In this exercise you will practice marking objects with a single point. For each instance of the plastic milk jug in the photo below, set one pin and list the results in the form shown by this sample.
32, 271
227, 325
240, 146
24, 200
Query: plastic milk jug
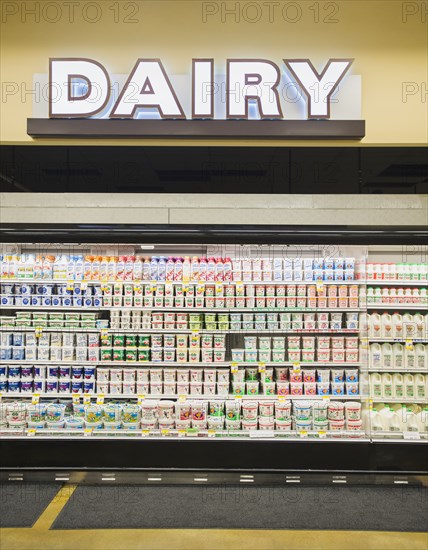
375, 356
398, 354
397, 385
420, 386
409, 326
376, 326
375, 385
376, 421
409, 386
397, 326
419, 320
410, 357
421, 356
387, 357
386, 325
387, 389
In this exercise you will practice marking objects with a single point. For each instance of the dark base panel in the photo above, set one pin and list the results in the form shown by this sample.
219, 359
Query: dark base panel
215, 455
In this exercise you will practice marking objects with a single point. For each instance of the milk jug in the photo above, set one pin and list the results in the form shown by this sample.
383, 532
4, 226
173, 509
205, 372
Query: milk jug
376, 421
397, 326
387, 389
409, 357
375, 356
421, 360
420, 386
375, 385
395, 424
409, 386
423, 420
386, 329
409, 326
365, 329
387, 357
375, 326
420, 326
386, 415
397, 385
398, 355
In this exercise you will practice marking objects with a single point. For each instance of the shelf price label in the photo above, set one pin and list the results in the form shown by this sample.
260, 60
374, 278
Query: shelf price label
411, 435
296, 366
322, 434
76, 399
219, 288
86, 399
137, 287
326, 398
303, 434
100, 399
87, 432
31, 432
364, 343
1, 397
141, 398
38, 332
181, 433
281, 398
70, 285
164, 432
262, 367
104, 333
320, 286
233, 368
211, 433
409, 344
182, 398
238, 398
145, 433
35, 398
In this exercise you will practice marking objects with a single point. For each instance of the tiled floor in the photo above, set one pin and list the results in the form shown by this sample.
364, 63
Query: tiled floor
40, 537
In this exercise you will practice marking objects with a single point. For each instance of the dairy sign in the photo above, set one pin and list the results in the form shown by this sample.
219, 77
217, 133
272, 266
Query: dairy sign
253, 90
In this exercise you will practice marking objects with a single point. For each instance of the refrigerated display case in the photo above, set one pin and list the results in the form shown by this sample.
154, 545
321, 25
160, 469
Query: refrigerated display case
218, 356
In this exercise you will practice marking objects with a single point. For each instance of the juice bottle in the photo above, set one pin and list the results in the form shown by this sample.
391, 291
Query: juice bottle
104, 268
169, 273
194, 269
138, 268
146, 269
203, 266
111, 268
95, 276
120, 269
162, 268
219, 270
227, 266
178, 269
129, 268
87, 268
78, 269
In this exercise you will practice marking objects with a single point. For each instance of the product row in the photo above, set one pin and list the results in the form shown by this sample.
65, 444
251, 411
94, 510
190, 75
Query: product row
71, 320
398, 356
396, 271
397, 296
398, 386
398, 417
217, 415
161, 268
396, 326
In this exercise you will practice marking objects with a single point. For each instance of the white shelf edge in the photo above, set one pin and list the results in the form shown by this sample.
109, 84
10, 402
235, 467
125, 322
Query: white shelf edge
185, 283
190, 397
171, 364
90, 309
404, 371
397, 306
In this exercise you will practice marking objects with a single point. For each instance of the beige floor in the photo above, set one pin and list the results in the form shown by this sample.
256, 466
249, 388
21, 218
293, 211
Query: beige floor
40, 538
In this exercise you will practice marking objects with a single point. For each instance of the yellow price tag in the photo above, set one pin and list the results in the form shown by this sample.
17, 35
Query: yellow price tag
234, 368
145, 433
195, 331
165, 432
86, 399
70, 285
31, 432
38, 332
262, 367
182, 398
181, 433
238, 397
409, 344
137, 288
219, 288
87, 431
322, 434
281, 398
320, 286
35, 398
303, 433
76, 399
1, 396
326, 398
211, 433
141, 399
104, 333
296, 366
100, 399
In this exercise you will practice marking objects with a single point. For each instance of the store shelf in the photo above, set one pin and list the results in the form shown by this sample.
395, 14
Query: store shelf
170, 364
183, 331
402, 400
395, 370
88, 309
397, 306
189, 397
185, 283
377, 282
398, 340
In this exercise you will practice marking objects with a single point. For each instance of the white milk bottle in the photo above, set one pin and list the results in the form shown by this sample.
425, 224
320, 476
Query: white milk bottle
267, 270
397, 326
421, 356
412, 423
422, 417
409, 326
370, 296
120, 268
395, 424
370, 272
419, 321
398, 354
409, 386
375, 385
392, 272
420, 386
386, 322
376, 325
365, 329
375, 356
423, 272
409, 357
387, 356
386, 415
147, 269
376, 421
398, 385
387, 389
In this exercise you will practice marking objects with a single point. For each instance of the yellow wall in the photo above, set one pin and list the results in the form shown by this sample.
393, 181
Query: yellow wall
388, 42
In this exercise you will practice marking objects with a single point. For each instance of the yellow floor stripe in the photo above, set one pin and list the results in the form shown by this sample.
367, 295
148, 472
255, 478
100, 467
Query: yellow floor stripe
54, 508
187, 539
